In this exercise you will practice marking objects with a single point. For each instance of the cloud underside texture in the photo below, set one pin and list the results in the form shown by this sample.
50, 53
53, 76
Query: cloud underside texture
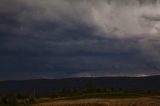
78, 38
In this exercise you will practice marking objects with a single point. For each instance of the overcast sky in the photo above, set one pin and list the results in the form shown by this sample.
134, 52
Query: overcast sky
79, 38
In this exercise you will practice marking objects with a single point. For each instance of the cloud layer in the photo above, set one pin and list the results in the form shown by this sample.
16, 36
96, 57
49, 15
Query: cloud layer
67, 38
115, 18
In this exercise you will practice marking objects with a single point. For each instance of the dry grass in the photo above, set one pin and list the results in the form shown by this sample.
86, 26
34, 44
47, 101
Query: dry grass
104, 102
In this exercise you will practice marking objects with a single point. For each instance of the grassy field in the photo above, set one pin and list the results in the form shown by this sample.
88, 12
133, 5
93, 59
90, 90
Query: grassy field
143, 101
116, 98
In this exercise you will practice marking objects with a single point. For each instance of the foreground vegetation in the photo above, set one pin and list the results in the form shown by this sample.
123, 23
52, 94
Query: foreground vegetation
72, 95
23, 100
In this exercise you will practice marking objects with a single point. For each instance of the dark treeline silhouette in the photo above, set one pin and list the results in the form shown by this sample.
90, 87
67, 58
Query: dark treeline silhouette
26, 92
50, 86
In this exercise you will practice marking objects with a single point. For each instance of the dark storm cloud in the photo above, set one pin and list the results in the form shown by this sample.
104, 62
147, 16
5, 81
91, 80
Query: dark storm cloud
67, 38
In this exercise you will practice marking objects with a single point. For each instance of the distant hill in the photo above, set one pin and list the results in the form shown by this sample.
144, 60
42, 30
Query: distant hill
47, 86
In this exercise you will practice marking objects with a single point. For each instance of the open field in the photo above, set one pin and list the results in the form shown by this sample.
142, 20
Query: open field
144, 101
94, 98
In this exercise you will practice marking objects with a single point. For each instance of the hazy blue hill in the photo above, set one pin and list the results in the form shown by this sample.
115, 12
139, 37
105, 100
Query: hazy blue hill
47, 86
